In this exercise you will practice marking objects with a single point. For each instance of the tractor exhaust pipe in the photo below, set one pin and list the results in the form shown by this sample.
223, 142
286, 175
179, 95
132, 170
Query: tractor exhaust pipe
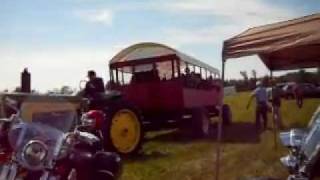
25, 81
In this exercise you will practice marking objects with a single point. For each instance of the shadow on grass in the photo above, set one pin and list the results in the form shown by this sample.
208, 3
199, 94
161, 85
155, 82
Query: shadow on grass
236, 133
242, 132
147, 156
259, 178
175, 136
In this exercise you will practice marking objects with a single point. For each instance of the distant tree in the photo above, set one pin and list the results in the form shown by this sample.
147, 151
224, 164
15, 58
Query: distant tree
244, 74
66, 90
33, 91
54, 91
302, 76
254, 74
17, 89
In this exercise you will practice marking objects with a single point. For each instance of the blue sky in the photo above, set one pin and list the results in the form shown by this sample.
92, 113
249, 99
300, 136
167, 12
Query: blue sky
60, 40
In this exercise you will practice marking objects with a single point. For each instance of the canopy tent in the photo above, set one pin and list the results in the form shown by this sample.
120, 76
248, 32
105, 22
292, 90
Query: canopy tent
146, 52
281, 46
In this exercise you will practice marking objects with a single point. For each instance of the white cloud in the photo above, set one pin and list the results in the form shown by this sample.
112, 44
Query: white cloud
229, 17
101, 16
249, 11
210, 34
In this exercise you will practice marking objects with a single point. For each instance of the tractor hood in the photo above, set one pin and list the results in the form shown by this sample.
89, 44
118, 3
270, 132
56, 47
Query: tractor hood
111, 94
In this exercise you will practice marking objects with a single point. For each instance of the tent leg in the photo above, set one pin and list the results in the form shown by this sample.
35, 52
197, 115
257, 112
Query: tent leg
220, 128
275, 126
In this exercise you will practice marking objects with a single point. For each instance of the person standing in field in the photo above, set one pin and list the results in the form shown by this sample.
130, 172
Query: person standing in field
275, 98
298, 93
261, 95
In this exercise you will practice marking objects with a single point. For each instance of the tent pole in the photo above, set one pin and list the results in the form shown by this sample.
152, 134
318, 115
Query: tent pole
219, 133
275, 127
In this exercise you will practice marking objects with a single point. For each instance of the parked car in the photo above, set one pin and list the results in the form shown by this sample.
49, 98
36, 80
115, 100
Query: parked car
288, 90
281, 85
310, 90
303, 161
307, 89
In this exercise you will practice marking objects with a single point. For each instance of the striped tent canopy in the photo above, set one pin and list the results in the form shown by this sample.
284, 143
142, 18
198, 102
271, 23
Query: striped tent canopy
285, 45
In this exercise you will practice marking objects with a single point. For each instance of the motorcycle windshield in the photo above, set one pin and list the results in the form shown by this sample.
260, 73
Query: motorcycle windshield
49, 128
311, 141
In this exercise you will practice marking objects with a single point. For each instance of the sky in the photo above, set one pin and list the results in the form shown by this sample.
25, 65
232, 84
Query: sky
60, 40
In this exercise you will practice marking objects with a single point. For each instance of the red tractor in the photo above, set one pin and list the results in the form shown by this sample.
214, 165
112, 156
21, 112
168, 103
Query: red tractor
153, 86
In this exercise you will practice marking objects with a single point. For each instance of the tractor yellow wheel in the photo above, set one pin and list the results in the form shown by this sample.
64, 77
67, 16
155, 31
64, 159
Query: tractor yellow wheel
125, 131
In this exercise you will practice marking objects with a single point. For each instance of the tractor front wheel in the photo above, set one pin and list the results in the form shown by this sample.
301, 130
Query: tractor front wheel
123, 130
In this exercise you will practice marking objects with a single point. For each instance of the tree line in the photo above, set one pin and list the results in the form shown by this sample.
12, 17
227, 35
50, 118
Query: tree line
249, 82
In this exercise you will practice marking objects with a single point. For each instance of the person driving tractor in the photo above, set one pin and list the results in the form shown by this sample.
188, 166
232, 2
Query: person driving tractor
94, 87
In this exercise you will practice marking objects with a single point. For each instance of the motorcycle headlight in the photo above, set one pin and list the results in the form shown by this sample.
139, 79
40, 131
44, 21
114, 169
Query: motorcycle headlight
93, 119
88, 122
291, 162
34, 154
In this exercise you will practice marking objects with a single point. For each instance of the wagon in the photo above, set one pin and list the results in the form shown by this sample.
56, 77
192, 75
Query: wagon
160, 87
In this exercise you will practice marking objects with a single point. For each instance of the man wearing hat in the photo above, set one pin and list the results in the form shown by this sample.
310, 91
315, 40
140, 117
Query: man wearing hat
261, 95
93, 90
94, 86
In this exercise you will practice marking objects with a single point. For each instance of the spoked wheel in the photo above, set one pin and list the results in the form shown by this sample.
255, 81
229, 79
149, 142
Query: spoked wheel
204, 125
124, 131
226, 115
199, 125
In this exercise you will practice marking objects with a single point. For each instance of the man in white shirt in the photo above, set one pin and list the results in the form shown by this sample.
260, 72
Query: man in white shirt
261, 95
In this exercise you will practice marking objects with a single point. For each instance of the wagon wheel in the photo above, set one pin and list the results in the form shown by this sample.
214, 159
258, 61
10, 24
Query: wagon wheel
123, 130
200, 123
226, 115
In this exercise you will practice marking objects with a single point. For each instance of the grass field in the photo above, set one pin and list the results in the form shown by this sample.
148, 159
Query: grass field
169, 155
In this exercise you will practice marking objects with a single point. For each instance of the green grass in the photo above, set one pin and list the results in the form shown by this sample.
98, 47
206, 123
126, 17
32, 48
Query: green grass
169, 155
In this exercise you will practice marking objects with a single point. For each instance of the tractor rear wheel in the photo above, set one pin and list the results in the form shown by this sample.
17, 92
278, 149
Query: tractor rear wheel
123, 131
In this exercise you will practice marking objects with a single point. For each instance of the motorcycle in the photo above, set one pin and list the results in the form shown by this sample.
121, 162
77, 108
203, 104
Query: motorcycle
303, 160
47, 149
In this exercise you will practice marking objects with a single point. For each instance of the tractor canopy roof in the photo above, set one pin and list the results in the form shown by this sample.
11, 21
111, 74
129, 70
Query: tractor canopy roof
281, 46
147, 53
